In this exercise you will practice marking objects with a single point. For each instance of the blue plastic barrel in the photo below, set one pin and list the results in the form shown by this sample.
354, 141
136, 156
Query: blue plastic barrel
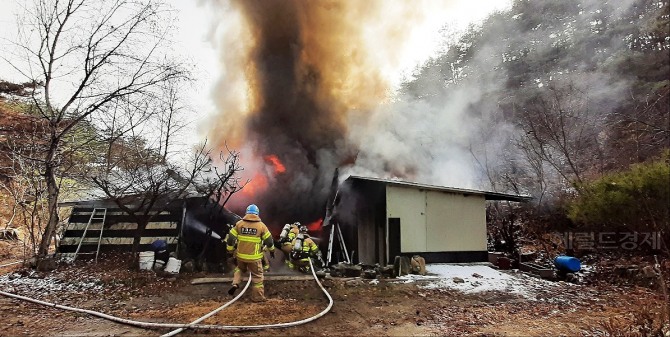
567, 263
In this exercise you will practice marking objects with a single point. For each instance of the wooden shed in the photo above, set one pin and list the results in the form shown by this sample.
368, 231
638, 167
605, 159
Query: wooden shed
381, 219
191, 226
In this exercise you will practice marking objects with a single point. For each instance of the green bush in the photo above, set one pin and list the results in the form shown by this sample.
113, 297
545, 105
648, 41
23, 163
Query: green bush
637, 199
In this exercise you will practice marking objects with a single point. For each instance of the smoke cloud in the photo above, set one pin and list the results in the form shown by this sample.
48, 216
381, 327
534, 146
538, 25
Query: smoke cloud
300, 80
309, 86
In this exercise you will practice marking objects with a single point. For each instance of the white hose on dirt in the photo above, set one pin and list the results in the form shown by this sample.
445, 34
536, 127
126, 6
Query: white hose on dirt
174, 332
114, 318
150, 325
276, 325
10, 264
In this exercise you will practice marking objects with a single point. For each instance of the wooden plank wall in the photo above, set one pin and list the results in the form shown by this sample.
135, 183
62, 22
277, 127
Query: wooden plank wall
119, 231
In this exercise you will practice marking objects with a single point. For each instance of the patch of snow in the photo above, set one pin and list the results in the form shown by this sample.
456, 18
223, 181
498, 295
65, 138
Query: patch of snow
587, 268
441, 276
47, 284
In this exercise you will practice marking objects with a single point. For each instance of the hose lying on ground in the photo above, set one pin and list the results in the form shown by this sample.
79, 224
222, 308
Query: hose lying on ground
10, 264
114, 318
174, 332
151, 325
276, 325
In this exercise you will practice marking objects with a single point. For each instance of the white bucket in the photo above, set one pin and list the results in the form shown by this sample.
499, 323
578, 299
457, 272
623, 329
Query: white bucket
158, 265
146, 260
173, 266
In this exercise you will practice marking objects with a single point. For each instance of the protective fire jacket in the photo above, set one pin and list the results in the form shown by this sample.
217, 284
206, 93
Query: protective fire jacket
309, 249
250, 234
291, 235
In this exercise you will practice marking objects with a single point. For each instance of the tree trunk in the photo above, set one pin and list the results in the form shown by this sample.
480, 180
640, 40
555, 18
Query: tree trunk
141, 225
11, 219
53, 191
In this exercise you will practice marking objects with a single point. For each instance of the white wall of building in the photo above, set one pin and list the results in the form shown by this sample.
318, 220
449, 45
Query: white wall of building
436, 221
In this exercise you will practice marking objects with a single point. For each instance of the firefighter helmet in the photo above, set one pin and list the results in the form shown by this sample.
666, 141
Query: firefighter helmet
302, 228
253, 209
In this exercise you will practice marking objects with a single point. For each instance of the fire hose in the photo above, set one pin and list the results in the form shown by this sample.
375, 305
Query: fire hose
10, 264
110, 317
195, 324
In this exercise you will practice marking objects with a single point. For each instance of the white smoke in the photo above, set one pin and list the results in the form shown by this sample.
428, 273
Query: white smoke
455, 133
418, 140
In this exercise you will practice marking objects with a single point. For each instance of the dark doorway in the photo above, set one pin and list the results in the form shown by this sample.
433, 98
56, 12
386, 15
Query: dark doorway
394, 239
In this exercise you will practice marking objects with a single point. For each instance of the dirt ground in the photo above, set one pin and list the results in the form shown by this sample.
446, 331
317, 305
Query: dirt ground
360, 307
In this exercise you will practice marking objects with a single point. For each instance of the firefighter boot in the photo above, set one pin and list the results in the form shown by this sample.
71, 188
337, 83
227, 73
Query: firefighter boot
258, 293
290, 264
233, 289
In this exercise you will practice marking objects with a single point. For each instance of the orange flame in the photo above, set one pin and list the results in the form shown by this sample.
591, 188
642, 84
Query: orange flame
248, 194
276, 163
256, 185
315, 226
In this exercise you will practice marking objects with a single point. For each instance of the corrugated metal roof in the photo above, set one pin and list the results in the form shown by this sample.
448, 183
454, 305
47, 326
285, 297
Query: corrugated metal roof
488, 195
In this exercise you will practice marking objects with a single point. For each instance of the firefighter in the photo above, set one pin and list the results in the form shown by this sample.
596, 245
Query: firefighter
286, 238
247, 239
303, 249
231, 252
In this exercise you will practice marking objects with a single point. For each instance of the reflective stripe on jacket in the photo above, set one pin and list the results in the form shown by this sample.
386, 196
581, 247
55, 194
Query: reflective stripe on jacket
250, 234
309, 249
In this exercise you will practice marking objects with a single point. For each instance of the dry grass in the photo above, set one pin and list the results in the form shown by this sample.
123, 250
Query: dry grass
644, 319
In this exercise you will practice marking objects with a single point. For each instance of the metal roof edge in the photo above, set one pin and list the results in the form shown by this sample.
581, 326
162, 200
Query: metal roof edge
110, 202
487, 194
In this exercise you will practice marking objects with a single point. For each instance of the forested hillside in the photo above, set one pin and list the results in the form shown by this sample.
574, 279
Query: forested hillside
566, 101
563, 93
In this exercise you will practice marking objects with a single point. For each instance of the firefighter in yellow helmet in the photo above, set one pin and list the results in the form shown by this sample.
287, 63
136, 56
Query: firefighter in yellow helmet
303, 249
249, 236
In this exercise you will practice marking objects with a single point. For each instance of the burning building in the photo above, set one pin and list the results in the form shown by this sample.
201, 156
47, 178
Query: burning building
296, 75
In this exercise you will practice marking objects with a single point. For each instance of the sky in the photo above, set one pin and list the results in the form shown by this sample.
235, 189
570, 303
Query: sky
195, 29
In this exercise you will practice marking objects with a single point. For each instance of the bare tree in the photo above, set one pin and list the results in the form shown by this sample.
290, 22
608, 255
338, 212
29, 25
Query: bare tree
24, 185
560, 129
536, 166
642, 130
141, 184
222, 181
86, 56
143, 170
